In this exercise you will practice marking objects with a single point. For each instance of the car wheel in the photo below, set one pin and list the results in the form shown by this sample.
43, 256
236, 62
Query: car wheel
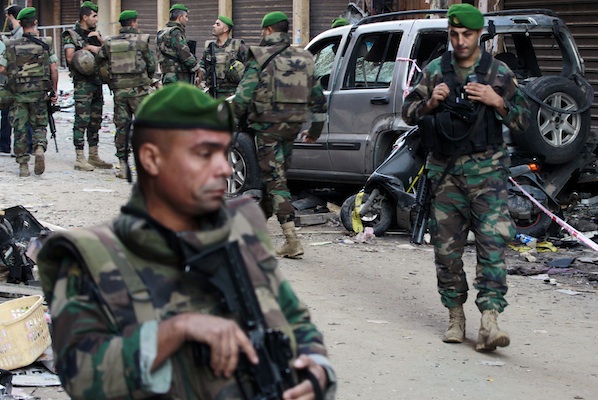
557, 136
380, 216
243, 160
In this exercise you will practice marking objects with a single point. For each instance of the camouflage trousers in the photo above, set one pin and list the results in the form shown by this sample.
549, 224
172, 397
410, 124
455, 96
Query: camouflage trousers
124, 109
172, 77
476, 202
32, 109
88, 114
274, 157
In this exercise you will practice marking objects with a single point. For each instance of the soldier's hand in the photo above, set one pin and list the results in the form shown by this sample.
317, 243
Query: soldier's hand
439, 94
305, 138
304, 390
484, 94
54, 99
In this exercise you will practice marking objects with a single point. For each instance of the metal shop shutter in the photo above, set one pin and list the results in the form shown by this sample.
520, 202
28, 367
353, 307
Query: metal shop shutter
248, 15
202, 15
581, 17
69, 11
321, 14
148, 16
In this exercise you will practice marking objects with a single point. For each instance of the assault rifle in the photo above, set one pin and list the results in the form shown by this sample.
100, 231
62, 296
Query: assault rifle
52, 108
214, 87
223, 267
422, 209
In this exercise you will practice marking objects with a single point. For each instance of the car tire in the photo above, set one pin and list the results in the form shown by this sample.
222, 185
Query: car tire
556, 136
380, 221
244, 163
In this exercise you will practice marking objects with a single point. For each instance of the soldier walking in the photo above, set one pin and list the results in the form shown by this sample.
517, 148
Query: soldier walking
176, 59
126, 64
277, 117
80, 46
223, 57
30, 64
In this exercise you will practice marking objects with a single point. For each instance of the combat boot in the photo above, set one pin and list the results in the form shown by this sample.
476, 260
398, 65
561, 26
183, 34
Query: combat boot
40, 163
292, 247
95, 160
81, 163
122, 173
24, 170
455, 332
490, 335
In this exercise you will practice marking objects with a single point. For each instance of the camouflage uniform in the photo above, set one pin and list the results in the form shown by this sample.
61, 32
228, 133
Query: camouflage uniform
87, 278
88, 94
30, 90
127, 65
177, 63
230, 65
472, 195
277, 116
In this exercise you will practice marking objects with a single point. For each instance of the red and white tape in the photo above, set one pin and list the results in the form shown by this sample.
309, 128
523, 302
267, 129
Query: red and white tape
574, 232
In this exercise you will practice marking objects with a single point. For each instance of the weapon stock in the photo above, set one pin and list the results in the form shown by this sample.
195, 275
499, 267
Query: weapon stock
52, 108
422, 206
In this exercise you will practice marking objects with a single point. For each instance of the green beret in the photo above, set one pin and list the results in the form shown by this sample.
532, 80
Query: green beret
226, 20
181, 105
26, 13
90, 5
465, 16
127, 14
339, 21
273, 17
178, 7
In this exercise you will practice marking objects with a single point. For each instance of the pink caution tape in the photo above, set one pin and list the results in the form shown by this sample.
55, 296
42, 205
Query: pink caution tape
574, 232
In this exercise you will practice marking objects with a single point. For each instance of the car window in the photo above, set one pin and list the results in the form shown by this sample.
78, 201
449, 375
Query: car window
372, 62
428, 46
324, 54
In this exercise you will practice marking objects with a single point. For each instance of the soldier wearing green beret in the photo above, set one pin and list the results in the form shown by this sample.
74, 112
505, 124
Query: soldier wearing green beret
81, 44
138, 286
225, 58
176, 58
30, 65
339, 21
127, 64
468, 169
276, 115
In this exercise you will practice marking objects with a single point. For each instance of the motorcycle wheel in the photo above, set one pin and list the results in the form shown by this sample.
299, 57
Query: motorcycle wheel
538, 222
380, 219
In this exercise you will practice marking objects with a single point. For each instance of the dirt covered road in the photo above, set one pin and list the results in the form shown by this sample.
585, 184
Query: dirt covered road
375, 302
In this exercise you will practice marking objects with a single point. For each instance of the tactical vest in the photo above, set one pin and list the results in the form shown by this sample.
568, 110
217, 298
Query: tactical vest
126, 66
167, 56
458, 126
225, 57
80, 42
283, 91
28, 64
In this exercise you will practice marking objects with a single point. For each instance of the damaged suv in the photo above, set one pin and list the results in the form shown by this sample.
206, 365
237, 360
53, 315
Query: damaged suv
366, 70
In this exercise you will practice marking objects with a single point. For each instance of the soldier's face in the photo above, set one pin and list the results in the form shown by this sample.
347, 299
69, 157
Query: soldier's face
183, 19
219, 28
91, 20
465, 43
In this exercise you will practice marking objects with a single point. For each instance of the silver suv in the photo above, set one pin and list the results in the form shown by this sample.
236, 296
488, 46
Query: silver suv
367, 68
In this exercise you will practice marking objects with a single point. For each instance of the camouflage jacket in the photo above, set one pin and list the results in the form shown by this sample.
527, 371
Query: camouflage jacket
505, 83
105, 328
127, 63
275, 98
230, 60
173, 53
77, 38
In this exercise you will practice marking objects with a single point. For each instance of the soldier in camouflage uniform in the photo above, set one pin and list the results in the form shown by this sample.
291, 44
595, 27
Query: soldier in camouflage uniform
177, 62
230, 56
30, 64
88, 87
127, 65
126, 312
469, 172
277, 116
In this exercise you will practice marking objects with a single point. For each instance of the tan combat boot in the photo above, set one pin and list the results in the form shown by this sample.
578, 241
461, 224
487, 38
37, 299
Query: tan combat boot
122, 173
81, 163
292, 247
24, 170
456, 329
40, 163
490, 335
95, 160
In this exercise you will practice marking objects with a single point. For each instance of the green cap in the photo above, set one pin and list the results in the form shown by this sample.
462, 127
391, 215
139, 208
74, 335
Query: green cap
226, 20
339, 21
90, 5
273, 17
26, 13
179, 7
181, 105
465, 16
127, 14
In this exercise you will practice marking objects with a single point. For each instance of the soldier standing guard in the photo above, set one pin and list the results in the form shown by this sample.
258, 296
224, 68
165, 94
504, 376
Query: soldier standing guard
176, 59
80, 45
30, 64
127, 64
230, 56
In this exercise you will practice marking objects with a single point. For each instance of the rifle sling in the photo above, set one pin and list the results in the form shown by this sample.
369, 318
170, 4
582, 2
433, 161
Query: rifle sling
35, 40
264, 65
